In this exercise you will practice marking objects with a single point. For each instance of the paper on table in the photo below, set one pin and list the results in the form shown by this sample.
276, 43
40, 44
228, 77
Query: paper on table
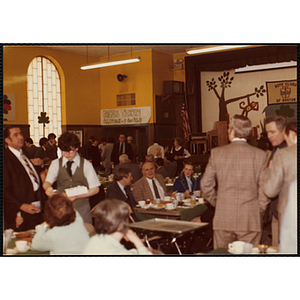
78, 190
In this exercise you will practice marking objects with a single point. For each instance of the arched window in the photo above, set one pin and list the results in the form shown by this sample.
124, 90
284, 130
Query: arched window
44, 96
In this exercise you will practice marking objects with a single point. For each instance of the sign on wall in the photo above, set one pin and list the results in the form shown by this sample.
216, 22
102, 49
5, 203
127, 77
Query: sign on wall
78, 133
281, 92
124, 116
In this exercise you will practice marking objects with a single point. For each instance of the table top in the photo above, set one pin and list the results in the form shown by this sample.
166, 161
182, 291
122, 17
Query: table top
170, 226
185, 214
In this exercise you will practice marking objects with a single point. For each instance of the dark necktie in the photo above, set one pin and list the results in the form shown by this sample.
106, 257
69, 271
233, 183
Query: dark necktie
29, 168
69, 164
122, 148
155, 190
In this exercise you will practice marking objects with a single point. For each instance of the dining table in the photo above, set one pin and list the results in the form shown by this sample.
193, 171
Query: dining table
179, 213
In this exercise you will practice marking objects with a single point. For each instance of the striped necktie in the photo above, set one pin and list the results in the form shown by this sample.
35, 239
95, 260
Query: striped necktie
31, 172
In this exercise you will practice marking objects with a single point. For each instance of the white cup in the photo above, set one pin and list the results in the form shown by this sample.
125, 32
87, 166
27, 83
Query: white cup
142, 203
21, 246
170, 206
8, 234
248, 248
237, 247
197, 193
167, 198
193, 198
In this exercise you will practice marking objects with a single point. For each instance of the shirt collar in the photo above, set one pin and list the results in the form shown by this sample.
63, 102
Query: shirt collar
15, 151
76, 160
239, 140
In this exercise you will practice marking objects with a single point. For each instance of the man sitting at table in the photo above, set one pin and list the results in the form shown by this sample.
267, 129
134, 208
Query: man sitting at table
233, 183
186, 183
150, 186
133, 167
160, 168
120, 188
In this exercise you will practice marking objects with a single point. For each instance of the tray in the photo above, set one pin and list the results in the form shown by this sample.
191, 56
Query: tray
171, 226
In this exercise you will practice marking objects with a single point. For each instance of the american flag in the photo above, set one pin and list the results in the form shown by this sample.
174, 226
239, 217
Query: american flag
185, 121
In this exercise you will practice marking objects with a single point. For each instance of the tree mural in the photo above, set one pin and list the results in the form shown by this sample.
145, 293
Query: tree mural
226, 83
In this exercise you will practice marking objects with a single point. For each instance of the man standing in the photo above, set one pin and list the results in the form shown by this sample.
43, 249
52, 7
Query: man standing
120, 188
233, 183
134, 168
150, 186
274, 126
22, 190
42, 150
72, 170
107, 154
30, 148
122, 147
186, 183
170, 164
156, 150
51, 147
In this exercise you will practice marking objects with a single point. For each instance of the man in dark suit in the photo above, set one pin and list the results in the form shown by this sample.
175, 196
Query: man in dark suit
22, 189
134, 168
120, 188
42, 150
160, 168
170, 164
51, 147
30, 148
122, 147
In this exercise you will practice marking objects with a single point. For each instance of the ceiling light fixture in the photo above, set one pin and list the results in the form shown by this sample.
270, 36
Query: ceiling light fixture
266, 67
111, 63
216, 48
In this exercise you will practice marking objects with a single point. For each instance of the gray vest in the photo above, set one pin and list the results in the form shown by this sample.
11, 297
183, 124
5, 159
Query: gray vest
64, 181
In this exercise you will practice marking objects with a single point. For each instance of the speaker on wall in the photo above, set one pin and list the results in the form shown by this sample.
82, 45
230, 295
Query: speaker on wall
165, 110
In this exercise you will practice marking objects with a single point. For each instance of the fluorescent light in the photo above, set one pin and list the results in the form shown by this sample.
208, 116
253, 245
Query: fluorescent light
215, 49
111, 63
266, 67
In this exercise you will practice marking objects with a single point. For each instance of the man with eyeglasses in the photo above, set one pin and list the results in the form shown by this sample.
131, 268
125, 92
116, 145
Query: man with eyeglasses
70, 171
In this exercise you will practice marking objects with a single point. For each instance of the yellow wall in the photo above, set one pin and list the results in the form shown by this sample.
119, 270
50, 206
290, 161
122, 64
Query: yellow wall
85, 93
80, 90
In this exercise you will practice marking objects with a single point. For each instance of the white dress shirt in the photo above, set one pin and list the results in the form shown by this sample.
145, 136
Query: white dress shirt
159, 188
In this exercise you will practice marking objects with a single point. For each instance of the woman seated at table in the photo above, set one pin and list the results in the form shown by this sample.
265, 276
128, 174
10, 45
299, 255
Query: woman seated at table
186, 183
111, 225
63, 231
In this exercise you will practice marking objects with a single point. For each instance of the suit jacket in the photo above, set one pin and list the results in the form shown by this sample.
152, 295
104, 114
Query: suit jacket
142, 190
94, 155
282, 173
113, 191
18, 189
115, 152
31, 151
162, 171
134, 168
233, 183
171, 167
41, 153
181, 185
107, 154
51, 151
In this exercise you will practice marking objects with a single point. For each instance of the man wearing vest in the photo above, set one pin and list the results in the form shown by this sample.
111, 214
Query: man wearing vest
72, 170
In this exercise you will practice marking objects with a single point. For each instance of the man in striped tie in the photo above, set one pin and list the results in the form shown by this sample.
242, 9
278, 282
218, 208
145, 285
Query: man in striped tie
23, 192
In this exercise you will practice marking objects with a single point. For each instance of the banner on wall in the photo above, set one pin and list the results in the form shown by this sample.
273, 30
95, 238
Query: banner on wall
125, 116
281, 92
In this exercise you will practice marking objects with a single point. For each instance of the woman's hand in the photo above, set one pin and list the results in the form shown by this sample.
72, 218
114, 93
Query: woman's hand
132, 237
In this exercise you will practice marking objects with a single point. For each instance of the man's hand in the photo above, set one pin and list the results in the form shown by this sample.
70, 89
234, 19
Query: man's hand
30, 208
50, 191
187, 194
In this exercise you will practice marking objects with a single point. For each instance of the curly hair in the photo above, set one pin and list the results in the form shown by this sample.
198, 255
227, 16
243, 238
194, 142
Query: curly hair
111, 216
68, 140
59, 211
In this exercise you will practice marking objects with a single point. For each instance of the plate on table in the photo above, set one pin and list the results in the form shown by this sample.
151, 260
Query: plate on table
22, 235
166, 208
155, 206
10, 251
189, 204
233, 252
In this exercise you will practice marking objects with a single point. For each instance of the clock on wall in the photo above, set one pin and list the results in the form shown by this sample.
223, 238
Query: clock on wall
173, 87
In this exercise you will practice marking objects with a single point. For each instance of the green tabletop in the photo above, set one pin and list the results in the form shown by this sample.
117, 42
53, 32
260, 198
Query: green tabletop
186, 214
12, 245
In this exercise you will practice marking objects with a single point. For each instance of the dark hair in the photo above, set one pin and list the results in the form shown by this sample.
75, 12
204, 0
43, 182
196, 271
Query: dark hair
103, 139
291, 126
51, 136
169, 156
179, 141
111, 139
121, 172
43, 141
111, 216
6, 132
59, 211
279, 120
242, 127
160, 161
68, 140
29, 140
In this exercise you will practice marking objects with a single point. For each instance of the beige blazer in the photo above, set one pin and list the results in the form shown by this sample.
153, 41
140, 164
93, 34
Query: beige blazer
232, 182
142, 190
282, 173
